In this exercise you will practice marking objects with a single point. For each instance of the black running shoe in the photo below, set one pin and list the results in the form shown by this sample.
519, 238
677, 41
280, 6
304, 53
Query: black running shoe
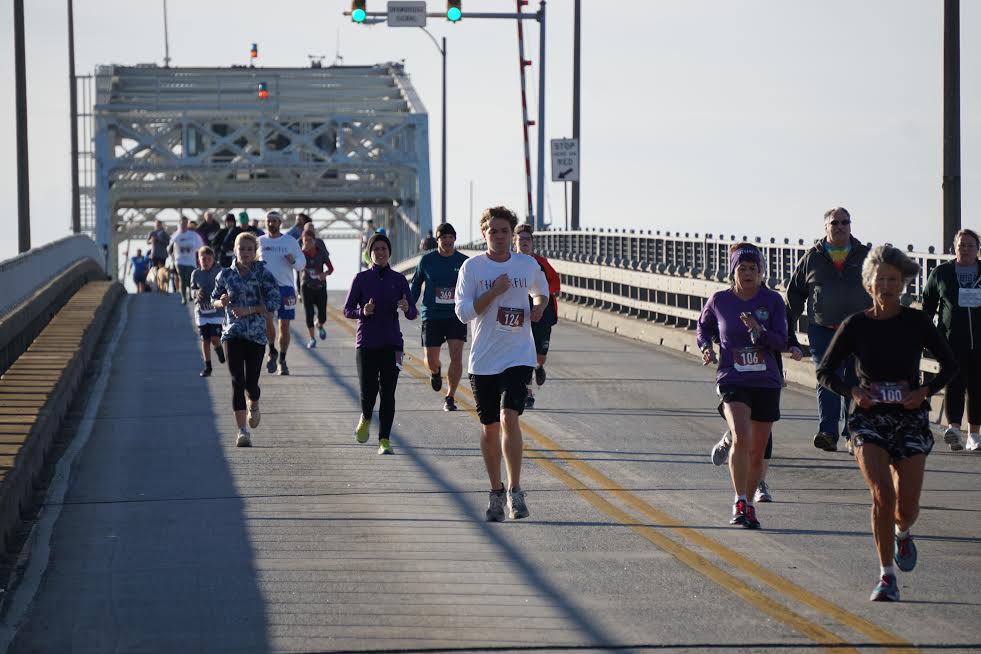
750, 521
436, 380
826, 442
738, 513
220, 353
540, 375
530, 402
271, 365
206, 372
449, 404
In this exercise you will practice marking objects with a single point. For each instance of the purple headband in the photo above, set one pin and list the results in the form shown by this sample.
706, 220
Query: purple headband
745, 254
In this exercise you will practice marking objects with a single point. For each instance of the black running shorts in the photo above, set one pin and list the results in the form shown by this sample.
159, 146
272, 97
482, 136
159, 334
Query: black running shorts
437, 332
901, 433
507, 389
207, 331
763, 403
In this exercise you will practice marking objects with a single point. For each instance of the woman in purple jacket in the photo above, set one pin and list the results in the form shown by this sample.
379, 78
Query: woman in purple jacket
375, 298
749, 322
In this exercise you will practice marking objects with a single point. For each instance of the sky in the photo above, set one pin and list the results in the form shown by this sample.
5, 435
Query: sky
749, 117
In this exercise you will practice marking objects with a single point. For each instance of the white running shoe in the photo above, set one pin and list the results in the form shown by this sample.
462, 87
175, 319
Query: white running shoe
974, 443
720, 452
243, 439
254, 416
952, 436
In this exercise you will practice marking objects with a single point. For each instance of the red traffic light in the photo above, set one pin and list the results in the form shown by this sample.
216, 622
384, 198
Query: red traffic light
263, 91
254, 52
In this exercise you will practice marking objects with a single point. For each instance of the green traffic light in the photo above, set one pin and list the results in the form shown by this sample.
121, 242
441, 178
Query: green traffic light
453, 14
358, 15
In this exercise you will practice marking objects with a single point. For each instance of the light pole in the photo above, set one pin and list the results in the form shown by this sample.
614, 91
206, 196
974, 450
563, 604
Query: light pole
73, 109
442, 51
20, 91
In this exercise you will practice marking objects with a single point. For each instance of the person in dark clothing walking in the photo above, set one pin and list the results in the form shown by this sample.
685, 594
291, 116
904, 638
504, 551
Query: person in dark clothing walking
828, 280
954, 289
375, 298
218, 242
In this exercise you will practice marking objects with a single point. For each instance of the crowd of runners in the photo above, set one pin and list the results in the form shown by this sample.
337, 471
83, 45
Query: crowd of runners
865, 344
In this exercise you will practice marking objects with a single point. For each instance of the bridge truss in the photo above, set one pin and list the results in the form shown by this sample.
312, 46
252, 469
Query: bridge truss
343, 144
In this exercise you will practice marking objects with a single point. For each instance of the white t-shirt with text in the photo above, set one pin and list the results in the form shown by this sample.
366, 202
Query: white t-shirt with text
502, 333
274, 250
186, 246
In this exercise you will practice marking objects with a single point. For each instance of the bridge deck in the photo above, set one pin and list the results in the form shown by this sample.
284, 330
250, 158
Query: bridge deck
171, 539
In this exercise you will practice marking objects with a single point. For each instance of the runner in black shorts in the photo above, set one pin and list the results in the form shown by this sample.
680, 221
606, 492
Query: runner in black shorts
438, 272
541, 330
492, 293
750, 323
891, 405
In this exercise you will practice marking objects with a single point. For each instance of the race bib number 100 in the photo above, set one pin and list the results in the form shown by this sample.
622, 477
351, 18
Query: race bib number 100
445, 295
749, 359
889, 392
510, 319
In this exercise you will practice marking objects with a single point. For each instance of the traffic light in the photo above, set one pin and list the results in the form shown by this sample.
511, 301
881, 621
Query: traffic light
358, 11
254, 52
454, 10
263, 91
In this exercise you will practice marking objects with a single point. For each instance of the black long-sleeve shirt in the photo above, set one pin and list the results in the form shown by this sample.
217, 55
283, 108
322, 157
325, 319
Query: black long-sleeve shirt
886, 351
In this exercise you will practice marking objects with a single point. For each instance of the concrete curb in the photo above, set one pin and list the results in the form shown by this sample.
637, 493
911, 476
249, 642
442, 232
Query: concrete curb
36, 391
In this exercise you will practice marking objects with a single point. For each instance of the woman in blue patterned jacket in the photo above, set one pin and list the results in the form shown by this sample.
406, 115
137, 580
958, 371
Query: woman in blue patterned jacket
248, 293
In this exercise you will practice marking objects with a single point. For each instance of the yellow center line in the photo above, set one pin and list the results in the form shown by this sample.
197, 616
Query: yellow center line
687, 556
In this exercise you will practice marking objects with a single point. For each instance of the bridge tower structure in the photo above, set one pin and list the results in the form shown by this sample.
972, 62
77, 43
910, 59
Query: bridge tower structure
343, 144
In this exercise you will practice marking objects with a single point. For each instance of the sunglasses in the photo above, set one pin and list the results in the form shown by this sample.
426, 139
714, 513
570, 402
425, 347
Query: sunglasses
835, 223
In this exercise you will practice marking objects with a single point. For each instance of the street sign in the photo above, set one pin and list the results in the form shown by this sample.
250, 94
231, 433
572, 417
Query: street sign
565, 160
407, 14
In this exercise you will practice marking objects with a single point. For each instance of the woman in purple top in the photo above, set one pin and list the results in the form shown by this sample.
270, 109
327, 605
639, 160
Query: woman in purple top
375, 298
749, 322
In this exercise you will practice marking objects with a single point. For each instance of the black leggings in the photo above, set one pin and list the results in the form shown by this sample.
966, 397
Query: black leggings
315, 298
244, 365
968, 378
377, 370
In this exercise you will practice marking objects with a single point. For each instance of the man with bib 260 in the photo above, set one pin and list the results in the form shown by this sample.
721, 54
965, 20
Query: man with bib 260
492, 293
438, 271
282, 255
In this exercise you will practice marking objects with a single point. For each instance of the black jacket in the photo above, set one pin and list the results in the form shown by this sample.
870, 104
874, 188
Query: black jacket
830, 295
961, 325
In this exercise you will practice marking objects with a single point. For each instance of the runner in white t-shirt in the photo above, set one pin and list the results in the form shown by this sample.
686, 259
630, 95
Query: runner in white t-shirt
492, 292
184, 248
282, 255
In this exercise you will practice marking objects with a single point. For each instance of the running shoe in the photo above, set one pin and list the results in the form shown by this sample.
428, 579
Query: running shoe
750, 521
362, 431
271, 364
887, 590
284, 370
905, 553
312, 343
206, 372
720, 452
449, 404
952, 436
254, 416
495, 506
183, 299
517, 508
530, 402
436, 380
738, 513
973, 443
220, 353
540, 375
762, 493
385, 446
826, 442
322, 332
850, 446
243, 439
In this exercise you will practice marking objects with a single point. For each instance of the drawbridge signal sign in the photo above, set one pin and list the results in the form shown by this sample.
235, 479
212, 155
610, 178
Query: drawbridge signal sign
565, 160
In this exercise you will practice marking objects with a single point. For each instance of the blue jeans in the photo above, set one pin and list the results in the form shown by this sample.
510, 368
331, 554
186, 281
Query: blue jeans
832, 408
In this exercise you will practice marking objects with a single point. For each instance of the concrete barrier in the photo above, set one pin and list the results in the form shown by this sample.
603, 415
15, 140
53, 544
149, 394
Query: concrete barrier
22, 275
37, 390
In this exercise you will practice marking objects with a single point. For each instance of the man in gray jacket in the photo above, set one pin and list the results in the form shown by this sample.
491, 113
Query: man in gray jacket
828, 279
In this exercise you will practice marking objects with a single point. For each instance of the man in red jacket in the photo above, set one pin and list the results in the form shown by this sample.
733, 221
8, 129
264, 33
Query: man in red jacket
541, 330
